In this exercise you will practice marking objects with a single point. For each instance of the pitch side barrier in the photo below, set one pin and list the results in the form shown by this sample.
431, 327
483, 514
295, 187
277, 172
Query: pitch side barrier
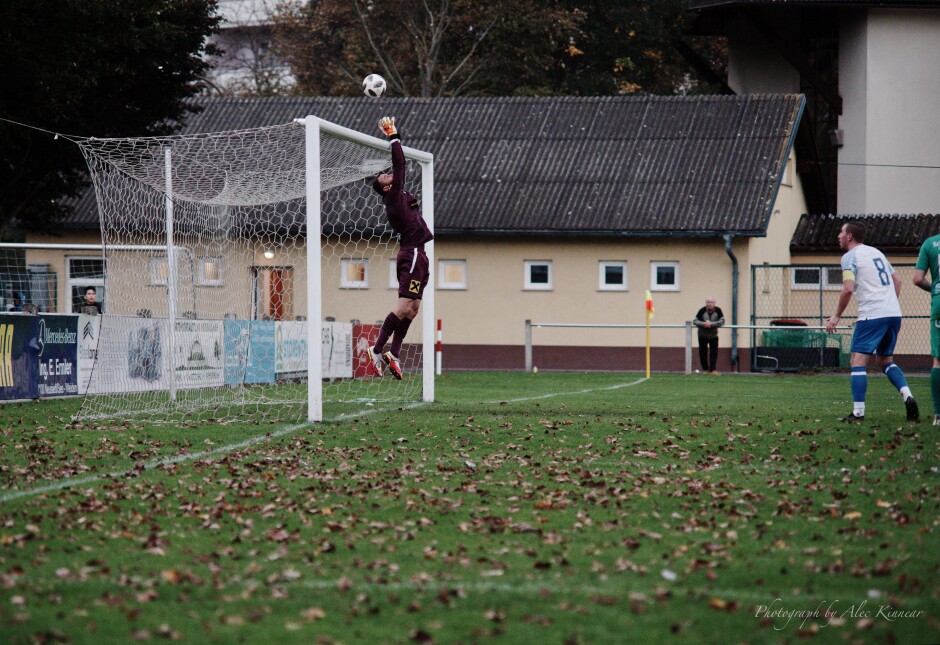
52, 355
772, 362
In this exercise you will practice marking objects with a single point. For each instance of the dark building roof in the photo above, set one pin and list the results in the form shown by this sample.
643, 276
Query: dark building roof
887, 4
890, 233
618, 166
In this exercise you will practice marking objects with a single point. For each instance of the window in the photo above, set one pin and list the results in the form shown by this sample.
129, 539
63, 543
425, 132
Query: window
83, 272
538, 275
354, 274
664, 276
612, 276
159, 271
452, 274
808, 277
210, 272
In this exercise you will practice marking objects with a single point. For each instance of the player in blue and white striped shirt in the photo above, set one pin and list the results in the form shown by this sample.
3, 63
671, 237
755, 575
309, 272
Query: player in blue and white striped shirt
867, 273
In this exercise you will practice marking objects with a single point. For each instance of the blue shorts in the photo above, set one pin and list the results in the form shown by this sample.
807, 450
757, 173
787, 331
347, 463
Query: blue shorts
876, 336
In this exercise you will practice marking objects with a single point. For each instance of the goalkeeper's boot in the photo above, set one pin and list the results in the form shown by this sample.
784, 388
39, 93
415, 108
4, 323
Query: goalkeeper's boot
377, 363
394, 365
853, 418
913, 414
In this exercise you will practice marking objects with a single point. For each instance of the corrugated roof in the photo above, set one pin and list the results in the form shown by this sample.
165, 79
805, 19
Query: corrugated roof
890, 233
625, 166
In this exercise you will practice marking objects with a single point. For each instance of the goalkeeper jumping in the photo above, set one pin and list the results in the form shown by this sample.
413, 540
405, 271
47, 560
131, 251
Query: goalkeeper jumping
403, 212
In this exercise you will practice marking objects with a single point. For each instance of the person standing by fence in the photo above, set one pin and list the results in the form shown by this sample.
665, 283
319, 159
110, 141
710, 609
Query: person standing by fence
708, 319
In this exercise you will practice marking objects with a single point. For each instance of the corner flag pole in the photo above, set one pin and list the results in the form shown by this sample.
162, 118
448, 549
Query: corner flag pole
649, 314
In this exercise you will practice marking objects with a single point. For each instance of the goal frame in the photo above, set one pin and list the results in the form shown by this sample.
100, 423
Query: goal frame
313, 126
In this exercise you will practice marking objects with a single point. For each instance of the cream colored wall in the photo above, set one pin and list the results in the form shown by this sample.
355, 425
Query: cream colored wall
495, 305
789, 206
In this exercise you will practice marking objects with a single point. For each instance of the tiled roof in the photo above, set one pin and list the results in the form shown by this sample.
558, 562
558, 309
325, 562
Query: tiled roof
623, 166
890, 233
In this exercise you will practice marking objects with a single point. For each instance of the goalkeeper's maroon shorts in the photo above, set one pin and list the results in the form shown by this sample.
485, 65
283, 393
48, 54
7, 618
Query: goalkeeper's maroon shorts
413, 272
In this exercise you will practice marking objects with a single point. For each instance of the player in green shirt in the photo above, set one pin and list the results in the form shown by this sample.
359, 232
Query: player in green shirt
929, 260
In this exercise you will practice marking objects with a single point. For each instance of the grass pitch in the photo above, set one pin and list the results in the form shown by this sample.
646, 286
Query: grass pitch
562, 508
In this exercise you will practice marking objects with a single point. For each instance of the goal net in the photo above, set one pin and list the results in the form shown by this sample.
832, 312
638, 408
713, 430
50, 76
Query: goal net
212, 286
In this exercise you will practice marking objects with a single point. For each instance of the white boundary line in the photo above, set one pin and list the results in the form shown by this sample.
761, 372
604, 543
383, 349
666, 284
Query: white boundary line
221, 450
618, 386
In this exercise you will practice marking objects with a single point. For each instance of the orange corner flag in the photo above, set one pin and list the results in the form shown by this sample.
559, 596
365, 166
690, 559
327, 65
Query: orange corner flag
649, 304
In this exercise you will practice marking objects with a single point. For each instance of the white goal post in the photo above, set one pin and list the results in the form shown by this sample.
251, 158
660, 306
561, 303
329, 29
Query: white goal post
314, 126
215, 302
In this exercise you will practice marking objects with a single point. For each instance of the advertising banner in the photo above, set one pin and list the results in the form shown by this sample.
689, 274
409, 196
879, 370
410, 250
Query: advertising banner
58, 355
337, 350
89, 329
198, 351
132, 355
249, 351
363, 336
19, 351
291, 349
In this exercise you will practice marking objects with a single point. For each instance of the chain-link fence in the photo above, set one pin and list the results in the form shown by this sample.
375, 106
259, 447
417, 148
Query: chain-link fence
793, 296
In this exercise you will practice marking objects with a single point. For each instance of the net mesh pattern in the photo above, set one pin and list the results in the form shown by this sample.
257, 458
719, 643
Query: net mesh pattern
216, 323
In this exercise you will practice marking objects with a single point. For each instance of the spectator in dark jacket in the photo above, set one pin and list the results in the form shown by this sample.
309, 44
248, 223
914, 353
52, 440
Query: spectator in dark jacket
708, 319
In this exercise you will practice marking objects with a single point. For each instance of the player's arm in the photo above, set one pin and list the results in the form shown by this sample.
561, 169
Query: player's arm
897, 284
920, 279
387, 126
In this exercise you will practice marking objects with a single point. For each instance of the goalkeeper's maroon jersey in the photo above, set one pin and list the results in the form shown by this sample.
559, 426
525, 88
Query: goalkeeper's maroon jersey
403, 208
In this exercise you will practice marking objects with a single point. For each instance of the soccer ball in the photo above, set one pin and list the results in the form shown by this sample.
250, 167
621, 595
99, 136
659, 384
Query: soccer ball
373, 85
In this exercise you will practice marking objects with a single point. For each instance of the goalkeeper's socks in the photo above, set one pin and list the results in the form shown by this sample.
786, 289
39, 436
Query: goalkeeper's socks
859, 388
896, 376
935, 389
399, 336
388, 328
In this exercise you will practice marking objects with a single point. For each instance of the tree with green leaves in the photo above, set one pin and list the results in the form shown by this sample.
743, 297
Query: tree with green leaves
105, 69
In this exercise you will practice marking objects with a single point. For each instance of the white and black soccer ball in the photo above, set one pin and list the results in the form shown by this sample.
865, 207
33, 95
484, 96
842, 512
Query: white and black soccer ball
373, 85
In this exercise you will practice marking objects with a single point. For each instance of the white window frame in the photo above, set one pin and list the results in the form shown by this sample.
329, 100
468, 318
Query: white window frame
602, 284
442, 282
71, 281
814, 286
201, 280
528, 265
345, 282
155, 279
655, 266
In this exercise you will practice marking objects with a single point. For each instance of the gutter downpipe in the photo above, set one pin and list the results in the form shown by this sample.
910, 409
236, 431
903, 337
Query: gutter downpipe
734, 301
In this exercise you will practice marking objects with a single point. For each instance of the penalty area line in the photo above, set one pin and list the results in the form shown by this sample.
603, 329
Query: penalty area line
618, 386
196, 456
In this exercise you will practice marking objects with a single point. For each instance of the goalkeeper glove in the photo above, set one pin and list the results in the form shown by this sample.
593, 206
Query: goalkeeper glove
387, 125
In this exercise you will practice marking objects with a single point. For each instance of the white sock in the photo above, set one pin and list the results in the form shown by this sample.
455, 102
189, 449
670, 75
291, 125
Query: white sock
858, 409
906, 393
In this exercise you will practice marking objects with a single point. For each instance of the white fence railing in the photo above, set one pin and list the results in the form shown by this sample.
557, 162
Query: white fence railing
687, 325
